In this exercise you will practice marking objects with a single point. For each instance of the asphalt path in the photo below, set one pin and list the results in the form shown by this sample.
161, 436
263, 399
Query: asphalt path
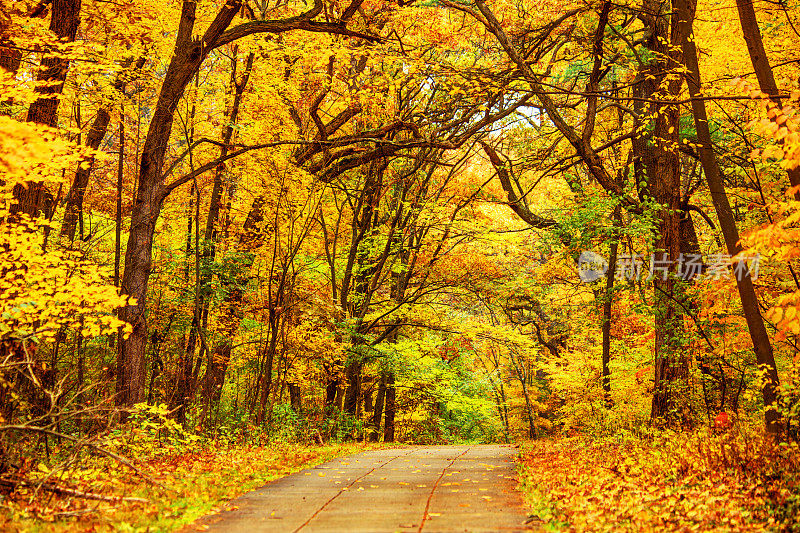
409, 489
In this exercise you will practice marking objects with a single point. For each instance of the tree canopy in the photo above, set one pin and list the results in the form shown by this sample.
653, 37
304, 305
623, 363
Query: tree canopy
436, 221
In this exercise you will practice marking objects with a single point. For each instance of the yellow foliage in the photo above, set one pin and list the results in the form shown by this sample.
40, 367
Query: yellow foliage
42, 291
32, 152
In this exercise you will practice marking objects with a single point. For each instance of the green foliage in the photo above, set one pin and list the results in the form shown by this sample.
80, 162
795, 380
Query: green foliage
150, 431
452, 400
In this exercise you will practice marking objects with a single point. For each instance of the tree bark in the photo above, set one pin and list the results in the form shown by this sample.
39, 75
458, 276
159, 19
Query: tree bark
755, 48
64, 23
608, 302
34, 196
296, 399
378, 411
188, 55
755, 322
97, 132
118, 213
391, 406
657, 169
760, 61
74, 201
10, 60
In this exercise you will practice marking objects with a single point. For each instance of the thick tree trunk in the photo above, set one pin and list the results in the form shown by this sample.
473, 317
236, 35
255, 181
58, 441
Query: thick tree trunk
188, 54
187, 57
64, 20
330, 396
755, 322
296, 399
353, 377
657, 168
10, 60
671, 360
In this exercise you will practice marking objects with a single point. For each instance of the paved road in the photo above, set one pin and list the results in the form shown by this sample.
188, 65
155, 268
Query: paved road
412, 489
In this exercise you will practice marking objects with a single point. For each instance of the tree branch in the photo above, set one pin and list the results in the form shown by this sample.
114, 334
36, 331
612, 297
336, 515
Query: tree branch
82, 442
302, 21
514, 202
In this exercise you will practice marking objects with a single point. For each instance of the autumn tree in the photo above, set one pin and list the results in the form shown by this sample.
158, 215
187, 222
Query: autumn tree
152, 189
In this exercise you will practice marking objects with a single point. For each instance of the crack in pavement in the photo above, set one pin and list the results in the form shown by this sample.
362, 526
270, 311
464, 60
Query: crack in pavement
435, 486
343, 489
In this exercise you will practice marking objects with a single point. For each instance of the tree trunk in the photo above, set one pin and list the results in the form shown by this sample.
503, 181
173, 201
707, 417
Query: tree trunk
330, 396
755, 322
188, 54
187, 57
296, 399
97, 132
378, 412
657, 169
755, 47
353, 377
391, 405
761, 66
74, 201
10, 60
64, 20
608, 304
118, 213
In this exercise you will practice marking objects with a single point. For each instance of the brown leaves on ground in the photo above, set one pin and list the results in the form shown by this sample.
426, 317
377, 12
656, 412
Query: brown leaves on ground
677, 482
197, 482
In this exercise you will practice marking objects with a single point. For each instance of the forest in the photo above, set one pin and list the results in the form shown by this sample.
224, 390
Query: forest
241, 236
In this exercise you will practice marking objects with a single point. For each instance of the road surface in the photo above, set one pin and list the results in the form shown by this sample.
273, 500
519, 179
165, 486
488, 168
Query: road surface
411, 489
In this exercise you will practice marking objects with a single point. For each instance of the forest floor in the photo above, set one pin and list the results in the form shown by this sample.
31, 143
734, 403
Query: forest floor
196, 483
698, 481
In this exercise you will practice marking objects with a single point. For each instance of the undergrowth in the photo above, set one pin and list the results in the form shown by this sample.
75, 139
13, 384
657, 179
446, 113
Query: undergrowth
149, 474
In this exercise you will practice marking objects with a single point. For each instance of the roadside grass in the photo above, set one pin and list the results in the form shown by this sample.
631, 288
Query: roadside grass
701, 481
197, 482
